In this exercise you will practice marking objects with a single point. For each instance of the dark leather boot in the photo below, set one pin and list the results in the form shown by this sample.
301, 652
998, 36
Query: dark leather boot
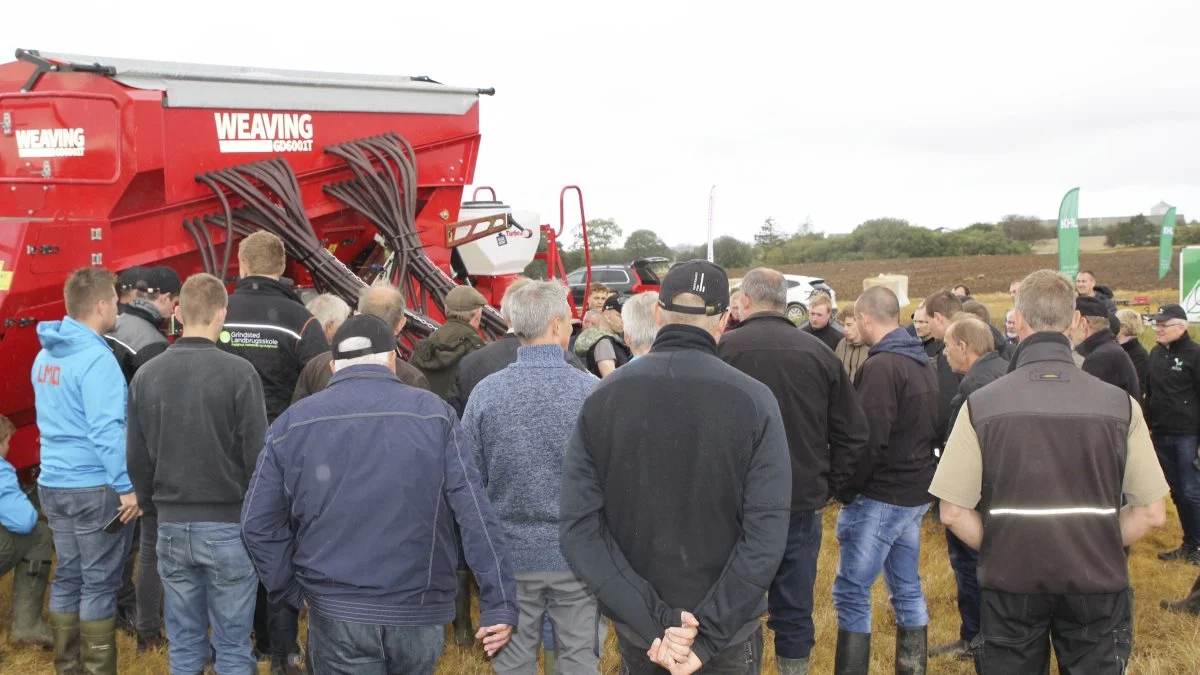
1189, 604
912, 650
464, 632
65, 628
853, 653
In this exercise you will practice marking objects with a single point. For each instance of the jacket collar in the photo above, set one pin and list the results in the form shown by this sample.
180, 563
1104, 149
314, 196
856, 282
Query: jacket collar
765, 317
266, 285
1043, 346
678, 337
1184, 342
990, 356
369, 372
541, 356
901, 343
1094, 341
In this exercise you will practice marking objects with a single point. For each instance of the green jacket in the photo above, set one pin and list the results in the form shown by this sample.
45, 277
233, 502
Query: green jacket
438, 355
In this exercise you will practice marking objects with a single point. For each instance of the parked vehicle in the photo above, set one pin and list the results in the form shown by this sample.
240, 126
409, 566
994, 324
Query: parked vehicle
636, 277
800, 291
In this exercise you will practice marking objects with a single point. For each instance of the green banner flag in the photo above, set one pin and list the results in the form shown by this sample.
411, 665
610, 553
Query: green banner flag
1068, 234
1166, 236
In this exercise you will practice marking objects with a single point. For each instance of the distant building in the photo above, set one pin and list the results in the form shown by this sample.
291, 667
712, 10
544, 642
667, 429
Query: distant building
1156, 215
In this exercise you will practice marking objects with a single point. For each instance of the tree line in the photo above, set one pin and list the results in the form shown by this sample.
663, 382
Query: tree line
879, 238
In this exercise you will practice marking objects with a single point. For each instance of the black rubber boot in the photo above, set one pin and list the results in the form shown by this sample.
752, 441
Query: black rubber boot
912, 650
853, 653
464, 632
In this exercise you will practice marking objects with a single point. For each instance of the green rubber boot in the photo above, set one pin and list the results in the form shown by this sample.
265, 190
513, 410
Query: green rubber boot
28, 594
65, 628
99, 640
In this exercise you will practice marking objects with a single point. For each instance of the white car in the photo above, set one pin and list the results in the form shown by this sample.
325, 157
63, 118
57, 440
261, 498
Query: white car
800, 289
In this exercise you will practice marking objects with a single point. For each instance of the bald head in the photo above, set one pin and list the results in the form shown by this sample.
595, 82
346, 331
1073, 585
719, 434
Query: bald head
880, 304
384, 302
878, 313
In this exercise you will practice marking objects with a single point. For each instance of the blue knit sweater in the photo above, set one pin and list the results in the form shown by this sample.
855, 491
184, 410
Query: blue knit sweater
519, 421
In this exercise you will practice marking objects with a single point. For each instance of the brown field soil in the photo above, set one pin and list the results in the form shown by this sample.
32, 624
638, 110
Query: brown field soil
1164, 643
1122, 270
1092, 243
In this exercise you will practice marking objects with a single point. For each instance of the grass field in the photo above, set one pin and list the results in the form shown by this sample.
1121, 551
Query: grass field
1165, 643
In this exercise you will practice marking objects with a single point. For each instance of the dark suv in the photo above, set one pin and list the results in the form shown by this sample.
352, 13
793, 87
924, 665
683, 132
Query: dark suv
636, 277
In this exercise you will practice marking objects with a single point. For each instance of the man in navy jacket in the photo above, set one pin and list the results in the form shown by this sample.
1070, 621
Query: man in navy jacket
352, 506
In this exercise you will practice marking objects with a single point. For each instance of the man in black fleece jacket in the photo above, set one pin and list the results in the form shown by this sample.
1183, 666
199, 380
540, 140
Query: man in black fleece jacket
827, 435
880, 530
1103, 358
676, 491
196, 423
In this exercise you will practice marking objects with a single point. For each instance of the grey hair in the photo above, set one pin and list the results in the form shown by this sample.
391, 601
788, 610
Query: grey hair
638, 316
329, 308
1046, 301
765, 287
707, 323
879, 303
534, 306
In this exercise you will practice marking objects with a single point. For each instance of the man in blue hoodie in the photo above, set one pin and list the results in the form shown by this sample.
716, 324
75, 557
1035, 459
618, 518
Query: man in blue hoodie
880, 529
79, 393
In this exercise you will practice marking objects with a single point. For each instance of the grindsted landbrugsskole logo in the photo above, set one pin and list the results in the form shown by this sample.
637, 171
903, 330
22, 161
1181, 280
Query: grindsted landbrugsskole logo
1189, 281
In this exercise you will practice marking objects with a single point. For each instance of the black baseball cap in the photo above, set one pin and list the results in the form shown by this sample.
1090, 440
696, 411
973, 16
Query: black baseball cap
163, 279
697, 277
1169, 312
1091, 306
612, 302
374, 337
128, 279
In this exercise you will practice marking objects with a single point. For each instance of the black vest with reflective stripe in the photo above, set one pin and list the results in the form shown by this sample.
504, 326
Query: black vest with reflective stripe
1053, 442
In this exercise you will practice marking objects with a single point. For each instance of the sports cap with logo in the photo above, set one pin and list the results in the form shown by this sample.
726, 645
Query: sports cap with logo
613, 302
697, 277
163, 279
1170, 312
362, 335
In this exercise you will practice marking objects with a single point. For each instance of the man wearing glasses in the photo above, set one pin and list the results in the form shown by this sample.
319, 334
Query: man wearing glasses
1173, 413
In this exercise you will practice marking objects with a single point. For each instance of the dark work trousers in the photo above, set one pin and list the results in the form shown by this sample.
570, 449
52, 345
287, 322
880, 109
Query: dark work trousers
1092, 634
127, 596
964, 560
790, 600
276, 627
740, 659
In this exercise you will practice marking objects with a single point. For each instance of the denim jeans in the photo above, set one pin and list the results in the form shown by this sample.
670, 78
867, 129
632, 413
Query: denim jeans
1176, 454
790, 600
346, 648
208, 581
877, 537
90, 560
965, 562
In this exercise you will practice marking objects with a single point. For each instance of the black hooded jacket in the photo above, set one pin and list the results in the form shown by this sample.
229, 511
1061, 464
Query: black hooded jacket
899, 394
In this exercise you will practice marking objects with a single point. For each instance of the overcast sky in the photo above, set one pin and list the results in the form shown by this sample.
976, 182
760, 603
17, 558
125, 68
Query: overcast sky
944, 113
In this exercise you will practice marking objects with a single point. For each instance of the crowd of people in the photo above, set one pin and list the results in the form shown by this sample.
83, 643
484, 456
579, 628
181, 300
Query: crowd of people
665, 466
